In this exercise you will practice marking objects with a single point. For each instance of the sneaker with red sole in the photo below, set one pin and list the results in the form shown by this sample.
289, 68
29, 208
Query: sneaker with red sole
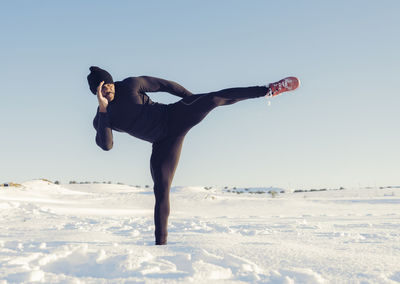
284, 85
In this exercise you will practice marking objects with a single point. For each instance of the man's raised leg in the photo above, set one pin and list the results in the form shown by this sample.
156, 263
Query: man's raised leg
189, 111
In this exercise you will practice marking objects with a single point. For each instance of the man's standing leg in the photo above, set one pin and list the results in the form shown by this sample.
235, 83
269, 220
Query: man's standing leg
163, 163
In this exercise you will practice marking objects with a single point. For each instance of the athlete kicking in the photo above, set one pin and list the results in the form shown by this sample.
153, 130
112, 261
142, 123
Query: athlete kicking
125, 107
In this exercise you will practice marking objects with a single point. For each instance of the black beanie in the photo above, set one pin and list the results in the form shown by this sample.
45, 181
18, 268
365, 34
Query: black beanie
96, 76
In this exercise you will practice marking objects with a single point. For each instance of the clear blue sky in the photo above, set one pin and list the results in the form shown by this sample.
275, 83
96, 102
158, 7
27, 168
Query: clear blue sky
340, 128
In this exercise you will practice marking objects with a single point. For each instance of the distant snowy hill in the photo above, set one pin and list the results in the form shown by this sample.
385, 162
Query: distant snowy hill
103, 233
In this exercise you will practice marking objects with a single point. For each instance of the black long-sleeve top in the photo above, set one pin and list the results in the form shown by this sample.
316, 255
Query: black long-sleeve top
133, 112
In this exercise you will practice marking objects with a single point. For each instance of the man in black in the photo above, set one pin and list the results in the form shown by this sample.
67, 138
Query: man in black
124, 106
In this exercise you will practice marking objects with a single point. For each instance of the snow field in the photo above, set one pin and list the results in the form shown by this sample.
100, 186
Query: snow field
97, 233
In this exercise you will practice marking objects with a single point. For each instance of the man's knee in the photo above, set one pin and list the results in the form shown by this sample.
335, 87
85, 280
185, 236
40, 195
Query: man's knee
161, 190
214, 101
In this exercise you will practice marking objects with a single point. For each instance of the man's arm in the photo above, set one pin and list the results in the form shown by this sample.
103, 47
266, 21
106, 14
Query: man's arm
152, 84
104, 137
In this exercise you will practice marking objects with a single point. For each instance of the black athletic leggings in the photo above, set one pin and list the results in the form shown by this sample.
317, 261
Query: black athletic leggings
182, 116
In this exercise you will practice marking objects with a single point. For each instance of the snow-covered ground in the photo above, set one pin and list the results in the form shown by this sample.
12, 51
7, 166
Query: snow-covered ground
103, 233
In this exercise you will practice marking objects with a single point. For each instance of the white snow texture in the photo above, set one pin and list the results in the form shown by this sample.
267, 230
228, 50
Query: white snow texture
103, 233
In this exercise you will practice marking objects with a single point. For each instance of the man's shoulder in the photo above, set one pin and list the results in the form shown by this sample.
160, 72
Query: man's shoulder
128, 82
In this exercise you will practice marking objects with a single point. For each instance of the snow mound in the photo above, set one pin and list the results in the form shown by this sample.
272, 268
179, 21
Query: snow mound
45, 186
